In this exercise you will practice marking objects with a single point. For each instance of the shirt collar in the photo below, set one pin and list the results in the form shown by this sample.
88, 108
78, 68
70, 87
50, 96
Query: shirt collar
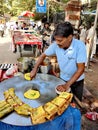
71, 45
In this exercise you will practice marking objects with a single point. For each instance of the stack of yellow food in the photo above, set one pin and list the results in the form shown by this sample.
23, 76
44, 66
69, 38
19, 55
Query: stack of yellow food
5, 108
68, 98
11, 98
23, 109
9, 93
19, 106
51, 109
38, 115
60, 103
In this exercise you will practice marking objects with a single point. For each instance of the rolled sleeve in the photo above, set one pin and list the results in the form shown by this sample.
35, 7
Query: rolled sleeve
51, 50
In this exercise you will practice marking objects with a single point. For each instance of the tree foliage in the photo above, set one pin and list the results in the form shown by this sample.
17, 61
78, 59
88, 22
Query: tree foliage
15, 7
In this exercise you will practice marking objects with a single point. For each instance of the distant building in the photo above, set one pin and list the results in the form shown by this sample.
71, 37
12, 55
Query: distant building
72, 12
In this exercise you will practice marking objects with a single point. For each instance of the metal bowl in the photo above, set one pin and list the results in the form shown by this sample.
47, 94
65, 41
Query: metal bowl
45, 68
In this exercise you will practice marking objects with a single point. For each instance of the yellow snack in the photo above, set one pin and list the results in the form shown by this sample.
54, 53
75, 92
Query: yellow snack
23, 109
32, 94
50, 108
59, 101
38, 115
27, 76
65, 95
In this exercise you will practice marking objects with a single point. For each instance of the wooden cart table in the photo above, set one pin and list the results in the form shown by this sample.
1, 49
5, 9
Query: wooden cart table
26, 37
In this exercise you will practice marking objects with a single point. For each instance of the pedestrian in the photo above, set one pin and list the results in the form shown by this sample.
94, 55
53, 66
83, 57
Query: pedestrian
24, 26
71, 57
44, 19
89, 43
83, 33
16, 26
2, 27
46, 34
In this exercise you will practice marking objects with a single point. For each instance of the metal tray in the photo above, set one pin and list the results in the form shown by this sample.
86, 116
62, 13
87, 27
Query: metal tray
43, 82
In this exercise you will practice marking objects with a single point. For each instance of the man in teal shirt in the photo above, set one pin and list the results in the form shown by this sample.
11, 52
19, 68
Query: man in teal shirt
71, 57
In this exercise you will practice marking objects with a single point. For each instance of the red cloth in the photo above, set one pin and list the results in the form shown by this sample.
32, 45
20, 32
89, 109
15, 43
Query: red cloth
20, 38
3, 75
91, 115
24, 38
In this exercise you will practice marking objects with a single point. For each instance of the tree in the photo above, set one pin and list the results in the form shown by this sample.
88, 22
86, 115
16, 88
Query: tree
15, 7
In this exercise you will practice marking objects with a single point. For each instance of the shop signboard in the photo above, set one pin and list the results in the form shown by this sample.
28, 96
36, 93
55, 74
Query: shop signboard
41, 6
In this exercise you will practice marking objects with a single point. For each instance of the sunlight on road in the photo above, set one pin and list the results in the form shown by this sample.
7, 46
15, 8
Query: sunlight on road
4, 40
6, 54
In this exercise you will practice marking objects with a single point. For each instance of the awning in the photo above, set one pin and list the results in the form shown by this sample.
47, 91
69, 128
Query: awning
27, 14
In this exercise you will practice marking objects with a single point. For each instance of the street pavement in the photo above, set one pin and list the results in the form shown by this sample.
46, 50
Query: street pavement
6, 54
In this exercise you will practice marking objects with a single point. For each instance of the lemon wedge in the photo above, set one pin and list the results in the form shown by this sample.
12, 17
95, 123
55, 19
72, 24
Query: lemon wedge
32, 94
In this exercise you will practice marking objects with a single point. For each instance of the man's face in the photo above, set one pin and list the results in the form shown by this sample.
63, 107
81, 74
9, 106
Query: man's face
46, 26
63, 42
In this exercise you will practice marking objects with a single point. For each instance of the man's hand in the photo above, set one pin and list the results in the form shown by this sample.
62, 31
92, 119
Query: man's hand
63, 87
39, 61
33, 73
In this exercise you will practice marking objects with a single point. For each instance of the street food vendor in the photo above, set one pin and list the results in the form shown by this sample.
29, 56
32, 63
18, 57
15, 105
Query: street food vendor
71, 57
24, 26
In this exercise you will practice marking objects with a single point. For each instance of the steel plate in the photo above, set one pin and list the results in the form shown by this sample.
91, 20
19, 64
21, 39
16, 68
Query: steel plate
43, 82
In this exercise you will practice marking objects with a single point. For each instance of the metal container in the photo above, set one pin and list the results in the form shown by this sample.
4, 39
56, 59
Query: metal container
45, 69
22, 64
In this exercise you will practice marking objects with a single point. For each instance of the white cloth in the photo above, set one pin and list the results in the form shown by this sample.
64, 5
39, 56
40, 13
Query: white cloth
88, 44
83, 35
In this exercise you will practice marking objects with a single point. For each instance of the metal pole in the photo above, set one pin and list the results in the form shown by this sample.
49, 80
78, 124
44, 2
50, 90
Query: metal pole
48, 10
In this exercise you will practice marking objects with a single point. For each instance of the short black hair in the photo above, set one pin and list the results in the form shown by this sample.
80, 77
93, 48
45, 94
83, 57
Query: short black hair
63, 29
46, 23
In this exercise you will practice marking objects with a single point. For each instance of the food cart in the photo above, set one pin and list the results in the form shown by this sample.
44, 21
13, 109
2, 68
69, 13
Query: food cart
26, 37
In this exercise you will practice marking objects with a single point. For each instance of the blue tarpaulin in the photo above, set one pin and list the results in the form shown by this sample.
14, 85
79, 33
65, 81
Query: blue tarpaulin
69, 120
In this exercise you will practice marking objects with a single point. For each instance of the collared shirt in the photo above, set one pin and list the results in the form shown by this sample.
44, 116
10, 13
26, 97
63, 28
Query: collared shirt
68, 59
